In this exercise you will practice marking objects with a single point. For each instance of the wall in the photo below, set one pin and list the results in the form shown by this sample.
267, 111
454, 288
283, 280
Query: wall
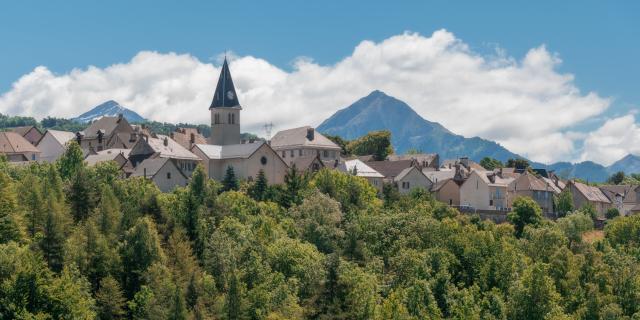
167, 185
416, 180
50, 148
449, 193
475, 192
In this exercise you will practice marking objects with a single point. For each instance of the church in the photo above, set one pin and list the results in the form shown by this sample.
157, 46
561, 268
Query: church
225, 148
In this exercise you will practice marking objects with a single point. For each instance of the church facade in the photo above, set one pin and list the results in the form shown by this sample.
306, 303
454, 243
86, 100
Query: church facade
225, 150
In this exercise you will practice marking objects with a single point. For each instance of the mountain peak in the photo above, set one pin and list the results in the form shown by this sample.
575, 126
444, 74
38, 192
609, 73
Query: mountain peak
108, 108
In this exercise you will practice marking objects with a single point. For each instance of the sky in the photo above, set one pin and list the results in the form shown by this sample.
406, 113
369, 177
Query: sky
550, 80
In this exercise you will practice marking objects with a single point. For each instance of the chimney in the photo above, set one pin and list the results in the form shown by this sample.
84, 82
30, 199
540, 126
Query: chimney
165, 141
144, 172
146, 138
192, 138
171, 135
310, 134
465, 161
119, 117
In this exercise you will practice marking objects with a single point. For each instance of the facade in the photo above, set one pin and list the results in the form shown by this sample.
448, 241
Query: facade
361, 169
584, 194
304, 142
622, 197
447, 191
53, 144
106, 133
246, 160
31, 133
162, 171
527, 185
481, 193
308, 163
412, 178
225, 111
161, 146
16, 148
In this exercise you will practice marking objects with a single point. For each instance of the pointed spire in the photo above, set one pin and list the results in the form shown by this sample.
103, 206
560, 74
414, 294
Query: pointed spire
225, 95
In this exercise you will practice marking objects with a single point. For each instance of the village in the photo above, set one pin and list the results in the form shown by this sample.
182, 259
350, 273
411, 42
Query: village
169, 161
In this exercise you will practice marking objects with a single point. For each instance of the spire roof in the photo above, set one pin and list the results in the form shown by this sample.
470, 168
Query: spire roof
225, 95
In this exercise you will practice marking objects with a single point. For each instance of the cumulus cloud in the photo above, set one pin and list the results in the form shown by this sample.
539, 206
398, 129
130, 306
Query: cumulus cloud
615, 139
525, 104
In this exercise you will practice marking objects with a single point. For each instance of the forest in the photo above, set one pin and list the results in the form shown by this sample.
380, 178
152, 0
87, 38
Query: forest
78, 242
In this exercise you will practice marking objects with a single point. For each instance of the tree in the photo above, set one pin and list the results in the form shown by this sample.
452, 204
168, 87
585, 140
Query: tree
612, 213
525, 212
110, 300
295, 183
491, 163
574, 225
81, 194
376, 143
233, 304
71, 161
230, 182
534, 296
52, 242
178, 309
260, 187
318, 220
9, 225
141, 248
563, 202
520, 164
342, 143
616, 178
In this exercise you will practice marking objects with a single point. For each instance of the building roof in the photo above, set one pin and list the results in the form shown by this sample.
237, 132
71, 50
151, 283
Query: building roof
362, 169
106, 155
406, 171
305, 136
552, 185
441, 183
528, 181
590, 192
627, 192
152, 166
61, 136
225, 95
390, 169
230, 151
171, 150
439, 175
11, 142
106, 124
429, 158
24, 130
183, 137
305, 162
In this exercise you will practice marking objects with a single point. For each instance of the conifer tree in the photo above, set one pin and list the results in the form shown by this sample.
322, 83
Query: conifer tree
52, 184
259, 189
71, 161
233, 304
178, 310
140, 250
230, 182
109, 300
31, 199
295, 183
9, 226
52, 242
108, 212
81, 196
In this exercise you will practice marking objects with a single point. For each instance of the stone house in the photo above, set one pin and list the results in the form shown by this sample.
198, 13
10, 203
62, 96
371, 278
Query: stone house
16, 148
585, 194
622, 197
303, 142
161, 146
528, 185
412, 178
107, 133
447, 191
484, 190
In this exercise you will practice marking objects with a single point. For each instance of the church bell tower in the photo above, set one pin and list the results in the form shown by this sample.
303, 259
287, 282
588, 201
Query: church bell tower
225, 111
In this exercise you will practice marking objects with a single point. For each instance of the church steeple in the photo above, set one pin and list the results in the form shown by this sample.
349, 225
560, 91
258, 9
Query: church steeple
225, 95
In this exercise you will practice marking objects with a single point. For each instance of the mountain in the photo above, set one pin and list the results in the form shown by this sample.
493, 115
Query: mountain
409, 130
378, 111
109, 108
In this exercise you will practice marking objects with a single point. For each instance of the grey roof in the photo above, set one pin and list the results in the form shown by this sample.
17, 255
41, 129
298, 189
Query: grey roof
106, 155
231, 151
11, 142
297, 137
225, 95
172, 150
61, 136
439, 175
406, 171
590, 192
362, 169
390, 169
627, 192
24, 130
106, 124
152, 166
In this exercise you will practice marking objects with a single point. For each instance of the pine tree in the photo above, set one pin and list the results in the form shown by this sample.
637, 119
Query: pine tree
233, 304
109, 300
108, 213
178, 310
140, 250
295, 183
192, 292
81, 196
9, 226
230, 182
52, 242
259, 189
71, 161
31, 198
52, 184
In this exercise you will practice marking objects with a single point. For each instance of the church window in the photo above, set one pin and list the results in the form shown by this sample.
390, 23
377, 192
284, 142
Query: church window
216, 118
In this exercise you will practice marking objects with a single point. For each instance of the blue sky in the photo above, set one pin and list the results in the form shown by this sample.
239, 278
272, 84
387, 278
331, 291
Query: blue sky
597, 41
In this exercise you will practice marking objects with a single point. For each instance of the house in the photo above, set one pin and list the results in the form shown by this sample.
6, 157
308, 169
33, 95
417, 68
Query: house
246, 160
584, 194
162, 171
412, 178
106, 133
31, 133
53, 144
188, 137
391, 169
447, 191
465, 162
16, 148
424, 161
483, 190
310, 163
528, 185
161, 146
361, 169
622, 197
304, 141
119, 156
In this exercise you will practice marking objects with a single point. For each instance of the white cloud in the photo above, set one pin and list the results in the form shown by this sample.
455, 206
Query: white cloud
526, 105
615, 139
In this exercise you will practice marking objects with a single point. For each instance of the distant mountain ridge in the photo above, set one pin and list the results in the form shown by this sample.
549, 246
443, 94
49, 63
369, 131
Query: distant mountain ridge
109, 108
379, 111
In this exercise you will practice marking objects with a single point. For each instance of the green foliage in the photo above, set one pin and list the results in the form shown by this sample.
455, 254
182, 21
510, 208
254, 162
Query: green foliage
259, 189
295, 183
521, 164
574, 225
342, 143
110, 300
525, 212
563, 202
612, 213
230, 182
616, 178
491, 163
71, 161
9, 224
534, 296
376, 143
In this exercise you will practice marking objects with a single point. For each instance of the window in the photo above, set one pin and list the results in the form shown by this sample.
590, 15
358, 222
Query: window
491, 203
325, 153
292, 154
263, 160
300, 152
233, 118
168, 175
450, 202
284, 154
405, 185
216, 118
33, 157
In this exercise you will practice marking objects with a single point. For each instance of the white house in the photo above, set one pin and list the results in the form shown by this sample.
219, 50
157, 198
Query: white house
481, 193
303, 142
53, 144
361, 169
